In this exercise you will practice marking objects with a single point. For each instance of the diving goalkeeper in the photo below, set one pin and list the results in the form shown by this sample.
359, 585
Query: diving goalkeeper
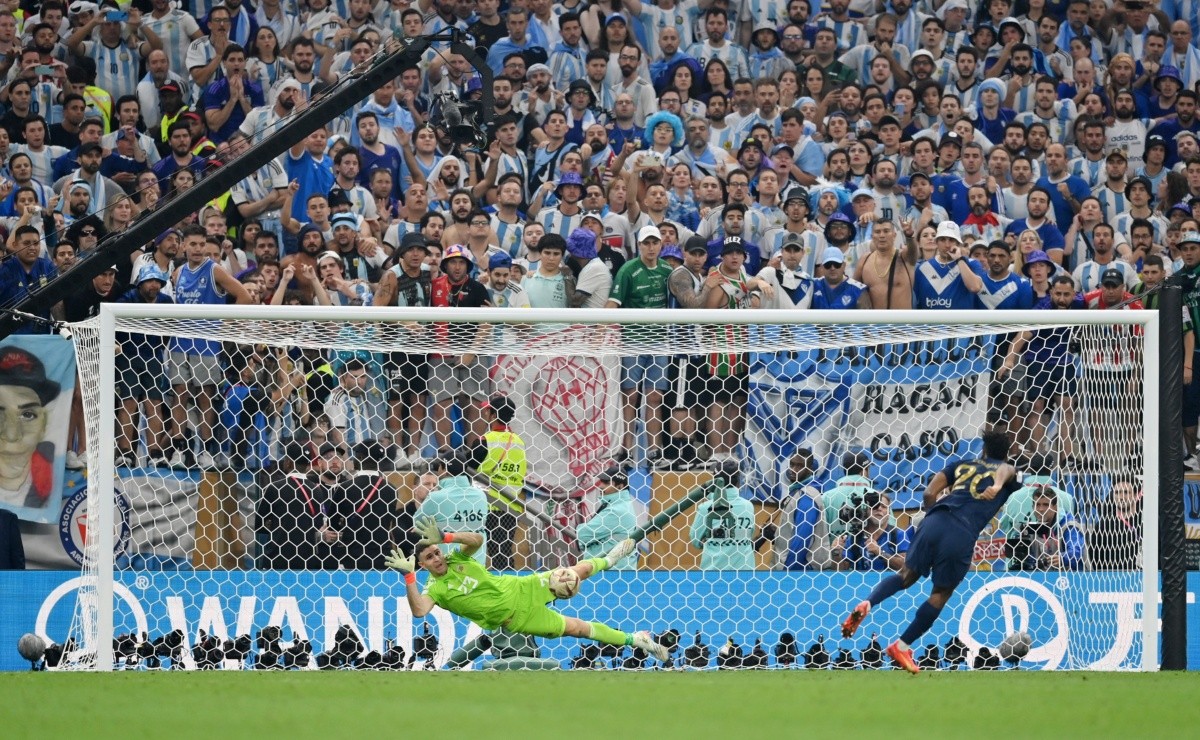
462, 586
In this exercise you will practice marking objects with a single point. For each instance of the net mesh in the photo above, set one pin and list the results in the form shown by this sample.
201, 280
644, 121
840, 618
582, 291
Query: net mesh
263, 478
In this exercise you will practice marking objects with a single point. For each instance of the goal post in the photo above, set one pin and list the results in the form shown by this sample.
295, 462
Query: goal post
176, 544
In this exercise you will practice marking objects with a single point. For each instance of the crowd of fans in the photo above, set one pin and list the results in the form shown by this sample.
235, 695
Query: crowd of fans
961, 154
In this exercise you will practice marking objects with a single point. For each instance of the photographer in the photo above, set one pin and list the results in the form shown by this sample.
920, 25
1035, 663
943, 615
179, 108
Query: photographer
1047, 540
724, 526
871, 541
613, 521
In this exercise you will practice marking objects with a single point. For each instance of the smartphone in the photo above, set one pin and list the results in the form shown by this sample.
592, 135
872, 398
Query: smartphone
900, 108
116, 16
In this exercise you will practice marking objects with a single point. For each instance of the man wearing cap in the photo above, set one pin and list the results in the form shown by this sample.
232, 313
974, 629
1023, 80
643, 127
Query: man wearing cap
593, 279
951, 279
614, 519
791, 285
463, 376
103, 190
26, 459
1110, 373
567, 215
320, 492
504, 293
142, 357
407, 284
834, 290
795, 209
727, 372
642, 283
1154, 160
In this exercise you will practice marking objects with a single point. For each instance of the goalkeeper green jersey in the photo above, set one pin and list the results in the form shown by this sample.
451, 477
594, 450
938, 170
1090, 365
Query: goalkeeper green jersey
469, 590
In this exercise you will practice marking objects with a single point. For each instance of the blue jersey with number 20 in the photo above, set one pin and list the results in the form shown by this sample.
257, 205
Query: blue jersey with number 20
968, 479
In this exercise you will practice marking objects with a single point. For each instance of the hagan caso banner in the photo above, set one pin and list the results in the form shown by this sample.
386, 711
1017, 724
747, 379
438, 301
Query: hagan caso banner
1075, 620
912, 407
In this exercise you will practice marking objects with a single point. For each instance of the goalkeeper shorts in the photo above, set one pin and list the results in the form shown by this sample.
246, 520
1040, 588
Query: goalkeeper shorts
532, 616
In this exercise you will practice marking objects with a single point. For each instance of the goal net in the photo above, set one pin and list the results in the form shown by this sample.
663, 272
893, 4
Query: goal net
251, 467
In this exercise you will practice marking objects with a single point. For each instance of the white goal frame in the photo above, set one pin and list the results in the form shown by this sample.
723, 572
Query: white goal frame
101, 497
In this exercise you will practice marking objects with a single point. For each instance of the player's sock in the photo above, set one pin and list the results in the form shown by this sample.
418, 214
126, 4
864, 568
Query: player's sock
927, 614
598, 564
609, 636
885, 589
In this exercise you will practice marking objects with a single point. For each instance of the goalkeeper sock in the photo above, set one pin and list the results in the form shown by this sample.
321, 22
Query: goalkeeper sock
609, 636
885, 589
598, 564
927, 614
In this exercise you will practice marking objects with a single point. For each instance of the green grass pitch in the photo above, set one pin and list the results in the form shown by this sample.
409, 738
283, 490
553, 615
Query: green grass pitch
568, 705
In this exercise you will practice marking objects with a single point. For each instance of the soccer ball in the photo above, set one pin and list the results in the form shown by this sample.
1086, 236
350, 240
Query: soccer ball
1015, 646
564, 583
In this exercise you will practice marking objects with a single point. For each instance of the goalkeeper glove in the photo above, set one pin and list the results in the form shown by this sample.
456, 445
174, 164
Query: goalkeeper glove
430, 533
406, 564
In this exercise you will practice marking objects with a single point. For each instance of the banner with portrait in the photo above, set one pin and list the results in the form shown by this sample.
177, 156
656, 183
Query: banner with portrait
37, 382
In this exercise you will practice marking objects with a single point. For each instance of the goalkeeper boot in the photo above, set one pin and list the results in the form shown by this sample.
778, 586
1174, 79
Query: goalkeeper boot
644, 641
860, 612
620, 552
903, 657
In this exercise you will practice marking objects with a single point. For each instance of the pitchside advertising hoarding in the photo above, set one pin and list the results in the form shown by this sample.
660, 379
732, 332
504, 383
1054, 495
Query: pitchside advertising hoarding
1075, 620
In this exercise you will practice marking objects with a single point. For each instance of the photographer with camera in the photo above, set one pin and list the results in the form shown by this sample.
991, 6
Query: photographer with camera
1047, 540
871, 541
724, 524
613, 521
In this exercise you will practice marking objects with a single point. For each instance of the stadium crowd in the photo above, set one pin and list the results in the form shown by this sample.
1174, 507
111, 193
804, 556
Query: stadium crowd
939, 154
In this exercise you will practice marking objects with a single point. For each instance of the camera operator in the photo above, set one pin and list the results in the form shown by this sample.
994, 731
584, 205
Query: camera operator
287, 513
803, 539
1047, 540
613, 521
366, 507
724, 526
871, 541
855, 483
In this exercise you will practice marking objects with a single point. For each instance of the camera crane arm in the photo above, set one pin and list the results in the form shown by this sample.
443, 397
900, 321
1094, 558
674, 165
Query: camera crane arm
360, 83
